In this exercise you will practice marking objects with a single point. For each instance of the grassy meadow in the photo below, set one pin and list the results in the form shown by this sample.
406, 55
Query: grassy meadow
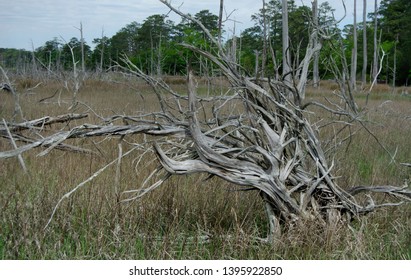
188, 217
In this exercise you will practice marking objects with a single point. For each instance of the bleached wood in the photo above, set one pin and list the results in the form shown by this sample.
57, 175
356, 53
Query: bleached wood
20, 158
257, 136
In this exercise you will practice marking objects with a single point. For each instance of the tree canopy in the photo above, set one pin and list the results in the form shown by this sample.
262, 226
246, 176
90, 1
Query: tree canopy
395, 18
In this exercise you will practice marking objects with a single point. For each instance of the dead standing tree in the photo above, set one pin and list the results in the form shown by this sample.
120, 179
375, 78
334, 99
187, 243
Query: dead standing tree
256, 136
7, 86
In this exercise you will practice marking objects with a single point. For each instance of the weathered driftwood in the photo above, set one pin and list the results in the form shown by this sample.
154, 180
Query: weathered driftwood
10, 136
86, 130
14, 131
41, 122
256, 136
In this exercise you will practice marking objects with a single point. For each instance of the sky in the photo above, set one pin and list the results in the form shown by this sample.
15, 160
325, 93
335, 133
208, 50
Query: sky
25, 24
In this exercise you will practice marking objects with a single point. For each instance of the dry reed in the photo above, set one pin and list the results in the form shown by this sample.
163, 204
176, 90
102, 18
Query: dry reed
175, 222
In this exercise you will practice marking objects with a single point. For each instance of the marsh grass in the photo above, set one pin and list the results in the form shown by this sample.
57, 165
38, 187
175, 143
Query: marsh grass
189, 217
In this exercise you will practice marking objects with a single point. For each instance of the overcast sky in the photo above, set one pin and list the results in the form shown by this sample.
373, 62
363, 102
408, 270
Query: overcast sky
27, 22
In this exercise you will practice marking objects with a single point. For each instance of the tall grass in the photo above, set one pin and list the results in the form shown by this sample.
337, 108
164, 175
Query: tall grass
190, 217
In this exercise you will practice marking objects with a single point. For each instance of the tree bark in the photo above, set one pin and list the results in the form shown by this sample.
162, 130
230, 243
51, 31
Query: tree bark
259, 138
394, 70
354, 51
256, 53
364, 45
286, 44
375, 57
220, 21
316, 74
83, 63
102, 50
264, 53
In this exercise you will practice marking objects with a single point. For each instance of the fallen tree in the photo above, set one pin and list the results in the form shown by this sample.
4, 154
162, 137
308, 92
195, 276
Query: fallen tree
256, 135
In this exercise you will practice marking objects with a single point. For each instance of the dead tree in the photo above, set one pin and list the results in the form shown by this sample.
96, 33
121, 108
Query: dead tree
257, 136
7, 86
83, 65
220, 20
316, 74
354, 50
364, 46
375, 73
286, 43
77, 79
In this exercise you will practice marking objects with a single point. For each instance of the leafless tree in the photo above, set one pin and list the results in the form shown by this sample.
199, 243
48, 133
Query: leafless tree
375, 56
394, 70
354, 50
316, 75
220, 20
264, 52
75, 84
364, 44
83, 64
103, 43
286, 43
7, 86
33, 56
257, 136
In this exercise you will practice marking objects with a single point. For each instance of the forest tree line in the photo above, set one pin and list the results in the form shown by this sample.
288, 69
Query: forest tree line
154, 44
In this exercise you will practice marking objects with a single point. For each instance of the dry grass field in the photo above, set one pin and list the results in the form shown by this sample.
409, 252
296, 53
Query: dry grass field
188, 217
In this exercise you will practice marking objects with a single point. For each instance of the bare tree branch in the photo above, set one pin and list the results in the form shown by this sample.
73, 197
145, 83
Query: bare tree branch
257, 136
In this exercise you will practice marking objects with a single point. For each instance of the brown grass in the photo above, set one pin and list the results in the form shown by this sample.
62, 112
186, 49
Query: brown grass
170, 222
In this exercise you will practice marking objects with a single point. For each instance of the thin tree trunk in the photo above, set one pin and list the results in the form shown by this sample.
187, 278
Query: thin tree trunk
354, 51
151, 55
264, 54
233, 51
49, 64
274, 59
394, 70
316, 75
387, 67
220, 20
286, 44
34, 69
159, 58
375, 57
256, 63
102, 50
364, 43
58, 60
83, 65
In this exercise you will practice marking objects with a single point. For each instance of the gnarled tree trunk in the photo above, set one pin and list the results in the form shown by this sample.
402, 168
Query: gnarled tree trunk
268, 145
